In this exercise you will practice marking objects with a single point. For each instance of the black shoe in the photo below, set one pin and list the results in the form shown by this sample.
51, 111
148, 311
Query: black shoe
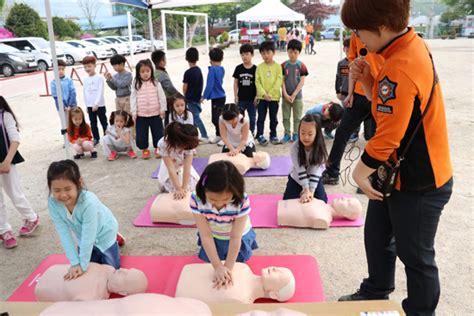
78, 156
94, 154
329, 180
96, 142
358, 296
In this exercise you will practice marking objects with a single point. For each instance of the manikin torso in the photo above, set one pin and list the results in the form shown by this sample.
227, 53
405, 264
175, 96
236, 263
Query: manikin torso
167, 210
314, 214
240, 161
196, 281
139, 304
260, 160
317, 214
92, 285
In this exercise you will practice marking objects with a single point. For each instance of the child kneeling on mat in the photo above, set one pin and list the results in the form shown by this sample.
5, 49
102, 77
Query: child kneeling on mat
221, 209
234, 128
308, 155
118, 136
75, 210
177, 148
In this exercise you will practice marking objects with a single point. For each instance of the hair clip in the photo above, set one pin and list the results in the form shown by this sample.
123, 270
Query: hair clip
204, 180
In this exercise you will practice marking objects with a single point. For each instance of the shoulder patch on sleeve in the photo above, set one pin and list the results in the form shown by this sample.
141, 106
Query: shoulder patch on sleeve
387, 90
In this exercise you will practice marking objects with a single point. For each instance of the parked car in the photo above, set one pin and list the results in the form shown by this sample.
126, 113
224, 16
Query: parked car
140, 41
146, 44
251, 37
99, 52
74, 54
13, 60
38, 46
328, 33
124, 48
106, 45
158, 45
233, 36
124, 40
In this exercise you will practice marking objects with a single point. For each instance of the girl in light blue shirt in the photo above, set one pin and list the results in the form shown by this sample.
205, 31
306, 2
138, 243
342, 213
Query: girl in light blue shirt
80, 218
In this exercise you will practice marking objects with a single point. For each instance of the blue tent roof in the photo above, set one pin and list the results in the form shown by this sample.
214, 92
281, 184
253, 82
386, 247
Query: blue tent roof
104, 23
136, 3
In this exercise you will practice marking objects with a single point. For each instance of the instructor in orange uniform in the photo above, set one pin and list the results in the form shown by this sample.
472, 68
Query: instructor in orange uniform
405, 223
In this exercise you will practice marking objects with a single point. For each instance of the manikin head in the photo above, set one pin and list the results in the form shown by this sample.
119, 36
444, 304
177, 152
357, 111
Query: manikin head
127, 281
278, 283
261, 159
349, 208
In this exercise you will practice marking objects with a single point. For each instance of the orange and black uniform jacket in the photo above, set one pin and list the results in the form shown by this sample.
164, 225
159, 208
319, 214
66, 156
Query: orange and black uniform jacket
400, 95
373, 59
73, 139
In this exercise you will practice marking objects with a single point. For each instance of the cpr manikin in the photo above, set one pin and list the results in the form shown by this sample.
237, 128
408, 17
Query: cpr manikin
260, 160
276, 283
317, 214
165, 209
97, 283
149, 304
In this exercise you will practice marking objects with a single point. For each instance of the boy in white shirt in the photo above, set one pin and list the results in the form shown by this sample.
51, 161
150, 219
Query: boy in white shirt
94, 97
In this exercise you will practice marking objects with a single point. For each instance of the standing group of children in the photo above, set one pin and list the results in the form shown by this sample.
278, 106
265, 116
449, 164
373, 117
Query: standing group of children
218, 200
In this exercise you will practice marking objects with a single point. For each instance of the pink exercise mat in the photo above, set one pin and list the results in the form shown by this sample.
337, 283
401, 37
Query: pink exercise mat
263, 214
163, 274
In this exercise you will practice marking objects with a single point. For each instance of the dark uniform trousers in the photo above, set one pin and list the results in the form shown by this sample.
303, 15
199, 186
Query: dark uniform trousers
405, 225
351, 120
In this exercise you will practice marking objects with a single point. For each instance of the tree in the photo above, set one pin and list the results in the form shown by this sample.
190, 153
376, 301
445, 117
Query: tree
62, 28
314, 10
24, 21
90, 8
76, 29
457, 9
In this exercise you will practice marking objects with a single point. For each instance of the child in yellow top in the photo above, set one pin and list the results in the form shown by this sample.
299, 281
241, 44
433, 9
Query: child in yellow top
269, 78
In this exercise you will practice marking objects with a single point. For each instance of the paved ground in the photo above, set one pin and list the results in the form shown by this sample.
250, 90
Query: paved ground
125, 185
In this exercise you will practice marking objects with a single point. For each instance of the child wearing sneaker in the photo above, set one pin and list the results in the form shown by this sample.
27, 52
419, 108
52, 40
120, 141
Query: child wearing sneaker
192, 90
214, 90
148, 102
118, 136
177, 148
10, 179
79, 134
245, 91
294, 74
80, 217
94, 97
268, 80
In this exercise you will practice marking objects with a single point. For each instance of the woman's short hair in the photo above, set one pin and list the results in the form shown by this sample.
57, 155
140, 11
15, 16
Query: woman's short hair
371, 14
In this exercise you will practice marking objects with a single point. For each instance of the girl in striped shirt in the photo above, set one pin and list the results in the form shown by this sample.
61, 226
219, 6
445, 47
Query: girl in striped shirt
221, 209
309, 155
148, 104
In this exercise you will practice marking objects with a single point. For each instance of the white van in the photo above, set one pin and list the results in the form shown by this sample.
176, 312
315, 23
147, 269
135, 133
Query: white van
38, 46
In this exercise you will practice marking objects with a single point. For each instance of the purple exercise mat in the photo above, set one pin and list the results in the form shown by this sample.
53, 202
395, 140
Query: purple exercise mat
279, 167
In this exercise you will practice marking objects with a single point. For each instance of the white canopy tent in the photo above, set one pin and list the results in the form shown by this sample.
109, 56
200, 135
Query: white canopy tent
270, 11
